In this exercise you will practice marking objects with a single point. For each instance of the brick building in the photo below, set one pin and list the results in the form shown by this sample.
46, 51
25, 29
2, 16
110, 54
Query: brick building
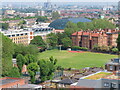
89, 39
15, 83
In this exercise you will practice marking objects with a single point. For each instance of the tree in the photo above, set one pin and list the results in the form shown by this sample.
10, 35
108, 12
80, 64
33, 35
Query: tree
20, 62
14, 72
7, 52
47, 68
52, 39
67, 42
38, 41
30, 59
24, 50
32, 69
44, 69
71, 28
55, 15
4, 26
41, 19
118, 43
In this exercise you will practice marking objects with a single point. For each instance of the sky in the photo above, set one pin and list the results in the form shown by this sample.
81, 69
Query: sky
60, 0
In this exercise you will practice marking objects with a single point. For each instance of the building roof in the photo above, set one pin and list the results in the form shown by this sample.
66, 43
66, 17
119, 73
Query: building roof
61, 23
30, 86
7, 80
77, 33
67, 81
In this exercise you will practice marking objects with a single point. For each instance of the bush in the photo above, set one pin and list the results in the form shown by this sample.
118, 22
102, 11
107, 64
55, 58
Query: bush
79, 48
114, 50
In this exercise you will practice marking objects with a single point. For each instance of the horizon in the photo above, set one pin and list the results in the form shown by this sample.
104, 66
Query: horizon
61, 1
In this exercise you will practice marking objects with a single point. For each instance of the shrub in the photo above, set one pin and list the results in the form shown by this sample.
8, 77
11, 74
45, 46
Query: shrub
114, 50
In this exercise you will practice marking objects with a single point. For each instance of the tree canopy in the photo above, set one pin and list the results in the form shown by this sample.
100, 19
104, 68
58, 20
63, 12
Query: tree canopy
55, 15
38, 41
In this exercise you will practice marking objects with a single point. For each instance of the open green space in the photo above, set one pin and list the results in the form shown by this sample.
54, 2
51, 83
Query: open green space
77, 60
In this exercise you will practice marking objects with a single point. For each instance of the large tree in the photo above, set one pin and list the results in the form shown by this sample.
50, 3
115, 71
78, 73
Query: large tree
20, 62
41, 19
7, 52
55, 15
52, 39
29, 58
24, 50
118, 43
47, 68
14, 72
4, 26
32, 69
67, 42
38, 41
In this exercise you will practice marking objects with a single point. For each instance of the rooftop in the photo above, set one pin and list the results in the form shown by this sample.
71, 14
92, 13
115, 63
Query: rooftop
61, 23
97, 75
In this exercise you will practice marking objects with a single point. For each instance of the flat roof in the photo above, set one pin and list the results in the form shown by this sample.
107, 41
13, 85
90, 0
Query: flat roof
97, 75
6, 81
30, 86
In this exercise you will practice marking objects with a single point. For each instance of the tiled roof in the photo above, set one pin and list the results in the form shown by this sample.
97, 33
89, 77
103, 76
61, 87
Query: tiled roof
77, 33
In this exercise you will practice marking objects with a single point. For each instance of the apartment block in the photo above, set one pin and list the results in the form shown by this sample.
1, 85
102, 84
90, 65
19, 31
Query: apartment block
89, 39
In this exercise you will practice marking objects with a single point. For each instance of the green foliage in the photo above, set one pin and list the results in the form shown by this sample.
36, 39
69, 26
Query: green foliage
14, 72
55, 15
79, 48
67, 42
7, 52
114, 50
4, 26
52, 39
29, 58
41, 19
20, 61
22, 49
38, 41
118, 42
32, 69
71, 28
22, 22
47, 67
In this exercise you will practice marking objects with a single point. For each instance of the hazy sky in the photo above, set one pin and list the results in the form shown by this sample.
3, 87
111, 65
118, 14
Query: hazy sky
60, 0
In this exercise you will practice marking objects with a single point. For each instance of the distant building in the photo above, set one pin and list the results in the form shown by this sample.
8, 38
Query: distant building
114, 65
43, 32
10, 12
30, 14
19, 36
89, 39
41, 13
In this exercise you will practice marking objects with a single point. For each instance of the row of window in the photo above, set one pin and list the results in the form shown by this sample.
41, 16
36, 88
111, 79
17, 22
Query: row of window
17, 35
19, 38
24, 41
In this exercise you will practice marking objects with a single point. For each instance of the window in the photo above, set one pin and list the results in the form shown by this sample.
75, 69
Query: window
106, 84
17, 35
111, 67
113, 85
13, 35
25, 33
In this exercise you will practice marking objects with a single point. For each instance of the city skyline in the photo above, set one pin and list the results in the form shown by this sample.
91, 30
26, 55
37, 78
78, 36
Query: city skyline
61, 1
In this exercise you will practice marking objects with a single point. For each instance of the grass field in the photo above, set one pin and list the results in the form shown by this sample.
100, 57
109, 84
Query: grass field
77, 60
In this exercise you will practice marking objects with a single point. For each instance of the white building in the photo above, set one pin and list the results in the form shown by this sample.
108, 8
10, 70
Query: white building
19, 36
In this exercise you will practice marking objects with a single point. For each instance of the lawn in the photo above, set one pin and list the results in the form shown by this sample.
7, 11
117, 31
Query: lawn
77, 60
